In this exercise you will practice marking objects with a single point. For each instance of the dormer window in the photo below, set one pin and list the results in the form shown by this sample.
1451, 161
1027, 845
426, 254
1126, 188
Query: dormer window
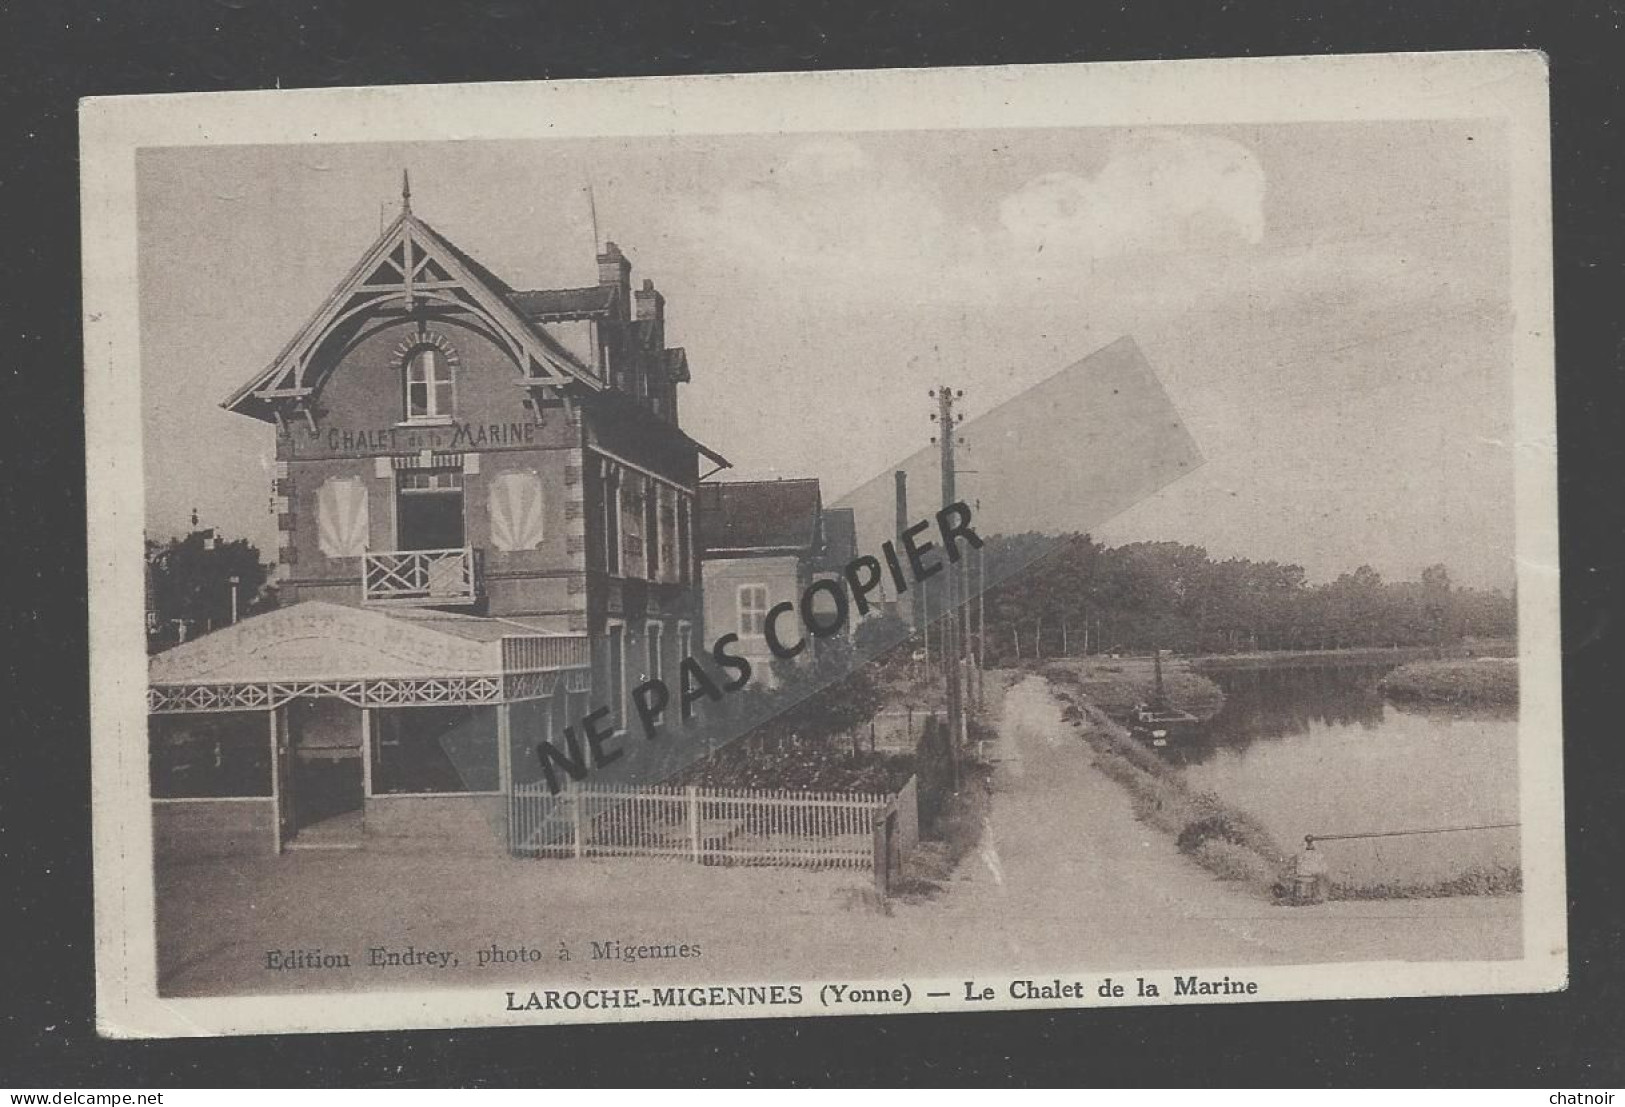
430, 389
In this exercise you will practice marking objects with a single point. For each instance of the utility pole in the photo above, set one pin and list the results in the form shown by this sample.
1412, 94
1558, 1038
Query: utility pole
960, 579
947, 427
908, 606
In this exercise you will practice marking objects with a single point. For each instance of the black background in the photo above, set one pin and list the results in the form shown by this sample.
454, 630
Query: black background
59, 52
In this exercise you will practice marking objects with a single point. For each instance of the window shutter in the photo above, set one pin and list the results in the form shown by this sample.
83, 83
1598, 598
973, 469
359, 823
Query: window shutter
341, 517
516, 510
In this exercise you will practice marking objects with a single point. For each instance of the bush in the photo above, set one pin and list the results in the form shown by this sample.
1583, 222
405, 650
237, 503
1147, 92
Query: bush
933, 764
1229, 861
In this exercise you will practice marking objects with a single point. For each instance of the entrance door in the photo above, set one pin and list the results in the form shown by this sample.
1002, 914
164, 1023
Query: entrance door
325, 774
429, 510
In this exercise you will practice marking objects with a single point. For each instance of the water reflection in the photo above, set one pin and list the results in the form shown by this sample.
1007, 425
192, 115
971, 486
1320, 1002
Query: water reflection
1284, 702
1316, 750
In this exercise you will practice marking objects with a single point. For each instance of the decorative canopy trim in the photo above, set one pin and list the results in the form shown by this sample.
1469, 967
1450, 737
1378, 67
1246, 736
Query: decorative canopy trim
191, 699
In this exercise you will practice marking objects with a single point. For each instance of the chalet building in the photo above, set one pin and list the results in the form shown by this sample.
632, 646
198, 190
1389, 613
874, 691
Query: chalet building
763, 543
487, 527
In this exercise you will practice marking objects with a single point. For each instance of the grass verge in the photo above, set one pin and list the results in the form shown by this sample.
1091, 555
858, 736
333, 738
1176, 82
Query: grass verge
1455, 682
1493, 880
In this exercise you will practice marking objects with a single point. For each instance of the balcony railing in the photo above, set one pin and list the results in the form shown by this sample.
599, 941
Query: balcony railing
529, 653
422, 578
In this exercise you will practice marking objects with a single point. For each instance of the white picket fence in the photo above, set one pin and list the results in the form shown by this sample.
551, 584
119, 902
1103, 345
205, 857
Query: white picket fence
711, 826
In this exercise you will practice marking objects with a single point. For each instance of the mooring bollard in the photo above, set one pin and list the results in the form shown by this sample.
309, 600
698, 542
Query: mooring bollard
1310, 878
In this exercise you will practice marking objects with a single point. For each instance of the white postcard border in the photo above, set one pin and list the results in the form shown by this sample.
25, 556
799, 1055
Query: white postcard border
1508, 86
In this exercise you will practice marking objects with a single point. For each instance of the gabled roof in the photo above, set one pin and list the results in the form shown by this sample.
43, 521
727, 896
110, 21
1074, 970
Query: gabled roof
739, 518
410, 263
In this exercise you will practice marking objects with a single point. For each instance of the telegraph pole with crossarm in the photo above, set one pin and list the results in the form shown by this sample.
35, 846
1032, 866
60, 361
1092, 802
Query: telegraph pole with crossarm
947, 435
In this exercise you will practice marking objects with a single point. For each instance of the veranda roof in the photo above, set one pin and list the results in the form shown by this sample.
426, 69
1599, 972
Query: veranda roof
401, 657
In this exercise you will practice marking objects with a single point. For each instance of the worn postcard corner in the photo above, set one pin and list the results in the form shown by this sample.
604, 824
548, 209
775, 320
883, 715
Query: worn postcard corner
942, 540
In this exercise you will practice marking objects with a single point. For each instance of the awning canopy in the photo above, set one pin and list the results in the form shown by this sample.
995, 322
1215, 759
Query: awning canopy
369, 658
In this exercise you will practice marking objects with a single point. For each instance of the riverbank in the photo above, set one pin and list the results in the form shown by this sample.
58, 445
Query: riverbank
1117, 685
1460, 682
1484, 880
1360, 655
1224, 840
1231, 840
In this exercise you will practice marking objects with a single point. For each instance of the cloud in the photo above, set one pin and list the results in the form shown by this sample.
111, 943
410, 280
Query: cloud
842, 222
836, 221
1158, 192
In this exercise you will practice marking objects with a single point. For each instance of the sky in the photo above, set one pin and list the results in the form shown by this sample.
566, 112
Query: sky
1325, 307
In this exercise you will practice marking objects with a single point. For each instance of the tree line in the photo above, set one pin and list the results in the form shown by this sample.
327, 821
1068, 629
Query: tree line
190, 582
1071, 594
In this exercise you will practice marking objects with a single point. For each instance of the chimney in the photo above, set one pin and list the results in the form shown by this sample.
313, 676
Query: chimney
614, 269
651, 308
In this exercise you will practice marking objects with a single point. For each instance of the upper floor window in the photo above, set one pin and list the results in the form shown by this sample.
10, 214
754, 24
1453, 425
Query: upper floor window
612, 524
752, 610
668, 535
430, 387
651, 532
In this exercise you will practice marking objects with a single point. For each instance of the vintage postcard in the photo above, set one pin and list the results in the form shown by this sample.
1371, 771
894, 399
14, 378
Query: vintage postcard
837, 543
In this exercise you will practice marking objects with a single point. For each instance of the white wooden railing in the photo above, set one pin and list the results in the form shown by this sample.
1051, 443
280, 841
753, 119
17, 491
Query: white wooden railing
422, 577
710, 826
528, 653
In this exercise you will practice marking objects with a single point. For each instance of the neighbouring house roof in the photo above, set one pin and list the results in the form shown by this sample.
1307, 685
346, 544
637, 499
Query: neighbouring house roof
559, 305
739, 518
840, 537
676, 359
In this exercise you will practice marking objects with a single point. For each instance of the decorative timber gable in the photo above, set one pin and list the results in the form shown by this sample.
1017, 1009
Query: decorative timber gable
410, 273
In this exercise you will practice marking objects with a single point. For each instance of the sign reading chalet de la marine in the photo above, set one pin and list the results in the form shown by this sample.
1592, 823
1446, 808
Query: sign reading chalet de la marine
786, 545
408, 438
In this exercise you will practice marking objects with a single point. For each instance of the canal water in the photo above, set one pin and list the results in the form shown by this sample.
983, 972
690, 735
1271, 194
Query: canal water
1318, 750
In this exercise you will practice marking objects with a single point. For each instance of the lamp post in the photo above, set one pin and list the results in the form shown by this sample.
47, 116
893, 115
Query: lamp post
235, 581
